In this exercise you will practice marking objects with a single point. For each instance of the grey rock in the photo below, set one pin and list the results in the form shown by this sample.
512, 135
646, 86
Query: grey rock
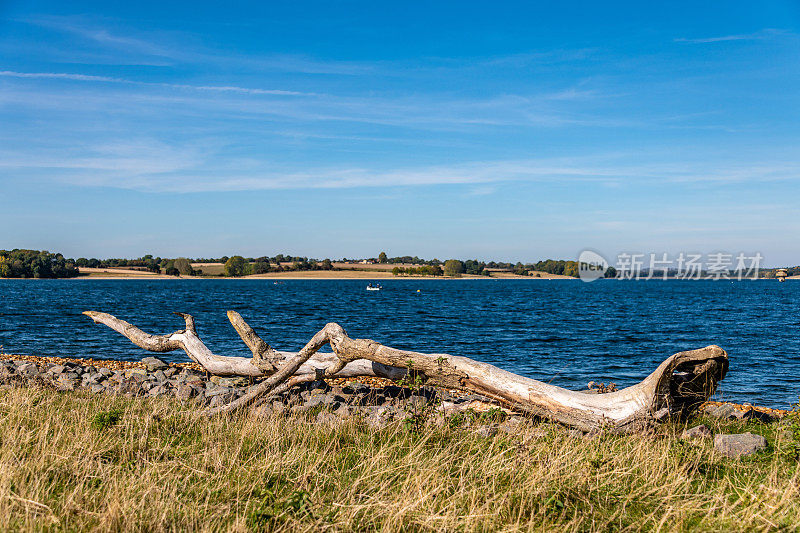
190, 375
724, 411
738, 445
231, 382
65, 383
171, 371
327, 418
139, 374
159, 376
185, 391
28, 370
697, 432
95, 377
752, 414
378, 417
159, 390
417, 402
154, 363
217, 391
221, 399
56, 369
106, 371
97, 388
131, 387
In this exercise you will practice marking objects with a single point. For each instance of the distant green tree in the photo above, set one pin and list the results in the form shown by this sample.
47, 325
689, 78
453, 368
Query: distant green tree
611, 272
235, 266
172, 271
473, 266
453, 268
382, 257
326, 264
571, 269
260, 267
184, 266
19, 263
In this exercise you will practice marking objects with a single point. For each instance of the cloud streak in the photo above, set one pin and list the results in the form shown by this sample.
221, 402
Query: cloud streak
152, 166
105, 79
762, 34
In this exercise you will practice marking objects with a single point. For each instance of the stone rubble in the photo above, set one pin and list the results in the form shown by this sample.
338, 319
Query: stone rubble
328, 402
155, 378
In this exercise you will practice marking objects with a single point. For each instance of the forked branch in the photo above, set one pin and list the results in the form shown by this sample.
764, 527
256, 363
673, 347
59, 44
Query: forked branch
682, 381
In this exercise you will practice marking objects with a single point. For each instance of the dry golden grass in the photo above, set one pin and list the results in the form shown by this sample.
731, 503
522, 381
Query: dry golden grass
71, 461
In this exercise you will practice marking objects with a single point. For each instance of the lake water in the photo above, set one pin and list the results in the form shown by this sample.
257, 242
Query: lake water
560, 331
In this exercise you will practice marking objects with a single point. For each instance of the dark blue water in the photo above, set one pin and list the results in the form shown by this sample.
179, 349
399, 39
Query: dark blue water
564, 332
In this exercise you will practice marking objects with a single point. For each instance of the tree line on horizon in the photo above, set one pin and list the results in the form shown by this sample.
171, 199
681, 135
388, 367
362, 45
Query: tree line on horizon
23, 263
20, 263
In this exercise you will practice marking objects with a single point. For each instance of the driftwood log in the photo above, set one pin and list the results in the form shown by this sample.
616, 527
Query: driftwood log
680, 383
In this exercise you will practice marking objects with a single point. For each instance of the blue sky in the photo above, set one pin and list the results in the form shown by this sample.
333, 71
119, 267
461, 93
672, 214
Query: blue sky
497, 131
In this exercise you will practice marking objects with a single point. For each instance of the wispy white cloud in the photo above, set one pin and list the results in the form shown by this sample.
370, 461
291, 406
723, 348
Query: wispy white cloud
79, 26
106, 79
186, 49
762, 34
60, 76
157, 167
433, 112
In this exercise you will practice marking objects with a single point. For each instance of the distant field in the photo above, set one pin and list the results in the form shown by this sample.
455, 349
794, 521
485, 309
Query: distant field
345, 271
117, 273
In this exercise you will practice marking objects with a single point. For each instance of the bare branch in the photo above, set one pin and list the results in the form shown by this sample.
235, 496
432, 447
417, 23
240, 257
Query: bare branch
682, 381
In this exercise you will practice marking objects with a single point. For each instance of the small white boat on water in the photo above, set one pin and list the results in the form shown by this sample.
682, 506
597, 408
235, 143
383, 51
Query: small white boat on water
372, 287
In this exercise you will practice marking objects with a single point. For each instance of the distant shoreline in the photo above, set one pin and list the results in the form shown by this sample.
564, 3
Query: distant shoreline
375, 274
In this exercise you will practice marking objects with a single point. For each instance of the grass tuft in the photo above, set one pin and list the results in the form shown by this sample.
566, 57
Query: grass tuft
105, 419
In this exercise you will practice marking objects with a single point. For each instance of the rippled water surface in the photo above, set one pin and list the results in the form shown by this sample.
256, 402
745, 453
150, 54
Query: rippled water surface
564, 332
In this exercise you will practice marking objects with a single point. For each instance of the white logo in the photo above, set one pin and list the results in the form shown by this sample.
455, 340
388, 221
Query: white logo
591, 265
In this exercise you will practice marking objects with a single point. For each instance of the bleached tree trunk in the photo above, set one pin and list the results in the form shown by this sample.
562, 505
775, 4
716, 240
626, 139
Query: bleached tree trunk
682, 381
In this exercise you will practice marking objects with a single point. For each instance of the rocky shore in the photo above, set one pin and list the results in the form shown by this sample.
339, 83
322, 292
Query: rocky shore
378, 402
